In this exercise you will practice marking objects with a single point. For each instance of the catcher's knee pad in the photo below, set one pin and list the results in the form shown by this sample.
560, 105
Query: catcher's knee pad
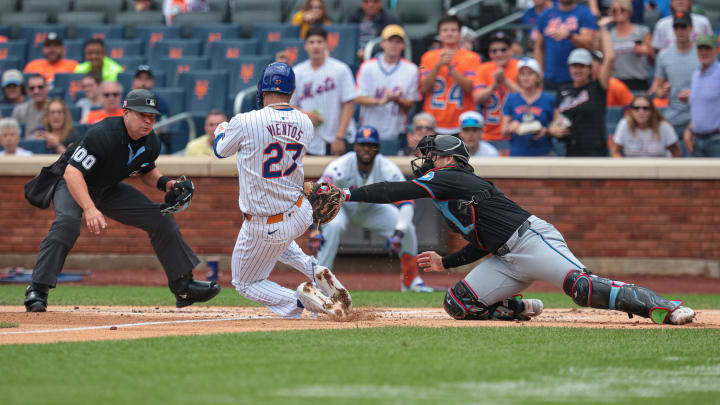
461, 302
588, 290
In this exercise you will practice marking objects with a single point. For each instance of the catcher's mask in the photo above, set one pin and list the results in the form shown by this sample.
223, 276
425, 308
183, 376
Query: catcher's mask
438, 145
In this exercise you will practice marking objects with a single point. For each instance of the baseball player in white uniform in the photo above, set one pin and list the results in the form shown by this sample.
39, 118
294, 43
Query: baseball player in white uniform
326, 90
270, 144
387, 87
358, 168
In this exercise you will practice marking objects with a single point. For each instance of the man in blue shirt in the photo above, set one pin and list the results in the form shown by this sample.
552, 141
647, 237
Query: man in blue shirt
702, 136
562, 28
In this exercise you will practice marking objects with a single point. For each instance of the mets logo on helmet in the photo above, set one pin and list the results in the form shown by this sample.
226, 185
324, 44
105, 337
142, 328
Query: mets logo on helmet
246, 72
367, 132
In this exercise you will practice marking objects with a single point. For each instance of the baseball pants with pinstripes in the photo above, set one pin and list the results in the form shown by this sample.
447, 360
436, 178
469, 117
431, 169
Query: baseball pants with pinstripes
539, 254
259, 246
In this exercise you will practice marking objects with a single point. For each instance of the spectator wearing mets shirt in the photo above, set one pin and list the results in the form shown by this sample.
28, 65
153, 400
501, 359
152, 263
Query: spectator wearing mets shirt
387, 88
54, 62
562, 28
325, 91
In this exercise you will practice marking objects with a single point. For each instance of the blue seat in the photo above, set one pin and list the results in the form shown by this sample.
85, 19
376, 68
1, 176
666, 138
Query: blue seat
174, 67
613, 115
130, 63
294, 47
5, 31
342, 41
11, 63
35, 35
70, 84
204, 89
173, 49
219, 51
36, 146
149, 35
13, 50
245, 71
6, 110
174, 97
267, 33
102, 31
126, 79
74, 112
73, 49
120, 48
210, 33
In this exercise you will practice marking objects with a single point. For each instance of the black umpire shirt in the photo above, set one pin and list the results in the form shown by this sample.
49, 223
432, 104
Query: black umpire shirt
107, 155
487, 223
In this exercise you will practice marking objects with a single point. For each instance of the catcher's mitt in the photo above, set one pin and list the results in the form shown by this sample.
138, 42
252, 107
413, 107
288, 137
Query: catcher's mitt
326, 200
179, 196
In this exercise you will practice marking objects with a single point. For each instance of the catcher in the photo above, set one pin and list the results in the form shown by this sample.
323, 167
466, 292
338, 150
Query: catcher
524, 247
92, 187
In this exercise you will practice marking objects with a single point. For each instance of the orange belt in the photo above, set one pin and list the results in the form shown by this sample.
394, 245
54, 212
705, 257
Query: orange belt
273, 219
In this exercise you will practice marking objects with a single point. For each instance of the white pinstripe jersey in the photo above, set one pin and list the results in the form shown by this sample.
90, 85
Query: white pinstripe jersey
344, 173
270, 144
375, 79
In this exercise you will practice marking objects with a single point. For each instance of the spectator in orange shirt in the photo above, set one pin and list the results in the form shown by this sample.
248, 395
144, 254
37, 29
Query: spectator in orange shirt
111, 95
447, 77
54, 62
618, 93
496, 79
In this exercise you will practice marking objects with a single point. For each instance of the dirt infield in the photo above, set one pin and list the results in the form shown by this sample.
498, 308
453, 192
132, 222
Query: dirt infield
67, 324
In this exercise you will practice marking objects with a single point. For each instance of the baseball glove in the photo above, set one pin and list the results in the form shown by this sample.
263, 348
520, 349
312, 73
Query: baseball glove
179, 196
326, 200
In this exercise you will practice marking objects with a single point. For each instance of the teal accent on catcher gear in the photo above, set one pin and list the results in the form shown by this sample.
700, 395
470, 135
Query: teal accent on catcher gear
589, 290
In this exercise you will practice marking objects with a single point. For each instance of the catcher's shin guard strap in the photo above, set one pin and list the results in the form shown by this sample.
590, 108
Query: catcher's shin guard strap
588, 290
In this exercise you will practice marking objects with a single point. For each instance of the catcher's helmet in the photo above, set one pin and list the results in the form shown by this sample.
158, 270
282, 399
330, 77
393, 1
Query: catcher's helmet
368, 135
439, 145
277, 77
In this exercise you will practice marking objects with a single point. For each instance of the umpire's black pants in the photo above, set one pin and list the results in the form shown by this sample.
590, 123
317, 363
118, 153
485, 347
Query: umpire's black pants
125, 204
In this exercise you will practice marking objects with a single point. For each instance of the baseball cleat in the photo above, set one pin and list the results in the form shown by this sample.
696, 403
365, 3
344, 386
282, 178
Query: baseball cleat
331, 286
532, 307
681, 315
315, 301
417, 285
35, 301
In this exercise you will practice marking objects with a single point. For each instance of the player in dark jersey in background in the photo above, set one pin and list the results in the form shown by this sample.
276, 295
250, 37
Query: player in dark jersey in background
525, 248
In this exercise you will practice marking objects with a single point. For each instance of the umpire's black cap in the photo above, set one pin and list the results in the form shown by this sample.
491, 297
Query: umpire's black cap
141, 100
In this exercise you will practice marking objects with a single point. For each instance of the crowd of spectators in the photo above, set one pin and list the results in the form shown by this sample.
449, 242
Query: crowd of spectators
547, 96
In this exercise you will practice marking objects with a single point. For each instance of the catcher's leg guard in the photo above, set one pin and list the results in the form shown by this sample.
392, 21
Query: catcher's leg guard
461, 303
589, 290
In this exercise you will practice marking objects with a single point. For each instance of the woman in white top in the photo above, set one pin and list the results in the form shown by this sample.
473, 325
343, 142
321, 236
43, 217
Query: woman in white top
644, 132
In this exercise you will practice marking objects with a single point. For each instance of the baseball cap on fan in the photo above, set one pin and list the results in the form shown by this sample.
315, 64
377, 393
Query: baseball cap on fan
471, 119
53, 38
141, 100
580, 56
531, 64
393, 30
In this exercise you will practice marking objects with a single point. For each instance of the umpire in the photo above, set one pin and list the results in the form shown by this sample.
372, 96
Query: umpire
93, 187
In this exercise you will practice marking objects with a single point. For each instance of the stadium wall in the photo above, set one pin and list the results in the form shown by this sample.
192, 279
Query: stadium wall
619, 216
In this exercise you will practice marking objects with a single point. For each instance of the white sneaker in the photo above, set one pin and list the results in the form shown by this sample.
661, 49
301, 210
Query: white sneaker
532, 307
333, 288
314, 300
681, 315
417, 285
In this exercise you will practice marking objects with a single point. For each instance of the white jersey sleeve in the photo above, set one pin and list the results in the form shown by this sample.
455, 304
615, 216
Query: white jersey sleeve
227, 142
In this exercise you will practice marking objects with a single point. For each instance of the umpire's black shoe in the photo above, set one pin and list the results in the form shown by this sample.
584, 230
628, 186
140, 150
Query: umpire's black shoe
197, 291
35, 301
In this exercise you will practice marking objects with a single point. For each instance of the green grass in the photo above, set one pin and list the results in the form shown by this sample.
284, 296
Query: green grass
393, 365
150, 296
8, 325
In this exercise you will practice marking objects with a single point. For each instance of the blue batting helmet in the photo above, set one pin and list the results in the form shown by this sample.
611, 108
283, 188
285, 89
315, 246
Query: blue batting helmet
277, 77
367, 135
